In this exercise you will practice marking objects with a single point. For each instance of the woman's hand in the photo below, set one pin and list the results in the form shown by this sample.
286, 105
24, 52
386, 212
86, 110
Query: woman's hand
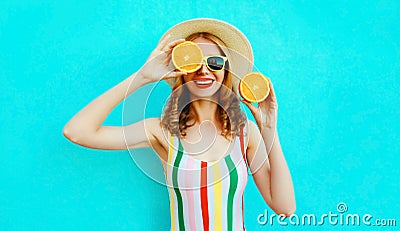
267, 111
157, 65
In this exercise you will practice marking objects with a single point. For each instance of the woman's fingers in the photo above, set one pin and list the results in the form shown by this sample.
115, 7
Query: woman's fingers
256, 111
173, 44
163, 41
168, 58
174, 74
252, 108
273, 103
272, 91
164, 47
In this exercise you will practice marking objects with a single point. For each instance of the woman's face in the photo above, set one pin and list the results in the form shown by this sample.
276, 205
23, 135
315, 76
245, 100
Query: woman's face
204, 83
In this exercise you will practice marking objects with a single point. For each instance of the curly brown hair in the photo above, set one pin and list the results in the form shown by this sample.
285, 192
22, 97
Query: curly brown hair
178, 114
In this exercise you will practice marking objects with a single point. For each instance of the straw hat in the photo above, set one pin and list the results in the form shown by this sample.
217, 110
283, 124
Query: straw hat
236, 46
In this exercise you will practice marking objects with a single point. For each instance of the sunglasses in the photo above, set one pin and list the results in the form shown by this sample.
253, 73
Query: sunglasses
214, 62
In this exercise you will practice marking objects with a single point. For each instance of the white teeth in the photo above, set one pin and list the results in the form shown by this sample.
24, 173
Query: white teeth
204, 82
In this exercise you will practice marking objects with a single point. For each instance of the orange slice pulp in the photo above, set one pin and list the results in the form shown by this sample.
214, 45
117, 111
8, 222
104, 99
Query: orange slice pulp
254, 87
187, 57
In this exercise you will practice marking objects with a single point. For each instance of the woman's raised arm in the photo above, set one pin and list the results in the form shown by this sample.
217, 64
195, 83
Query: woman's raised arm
86, 129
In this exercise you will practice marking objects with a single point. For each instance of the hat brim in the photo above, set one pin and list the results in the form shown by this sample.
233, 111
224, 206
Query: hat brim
240, 53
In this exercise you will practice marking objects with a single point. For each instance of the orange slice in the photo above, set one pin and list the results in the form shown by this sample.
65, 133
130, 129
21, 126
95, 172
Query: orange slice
254, 87
187, 57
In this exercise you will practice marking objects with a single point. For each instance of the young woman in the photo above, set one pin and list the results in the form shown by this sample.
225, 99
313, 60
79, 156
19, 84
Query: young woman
203, 139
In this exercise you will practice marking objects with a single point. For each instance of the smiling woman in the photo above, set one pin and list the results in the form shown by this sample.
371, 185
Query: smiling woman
203, 139
204, 87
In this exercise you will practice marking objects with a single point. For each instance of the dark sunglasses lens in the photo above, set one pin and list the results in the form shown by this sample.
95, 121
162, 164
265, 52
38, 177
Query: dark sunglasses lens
215, 63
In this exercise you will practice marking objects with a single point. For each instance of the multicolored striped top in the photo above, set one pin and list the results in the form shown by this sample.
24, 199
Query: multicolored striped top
206, 195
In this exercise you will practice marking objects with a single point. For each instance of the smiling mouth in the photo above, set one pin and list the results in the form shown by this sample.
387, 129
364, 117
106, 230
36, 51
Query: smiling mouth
203, 82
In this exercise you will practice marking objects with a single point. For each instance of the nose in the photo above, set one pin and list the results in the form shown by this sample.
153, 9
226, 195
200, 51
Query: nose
203, 70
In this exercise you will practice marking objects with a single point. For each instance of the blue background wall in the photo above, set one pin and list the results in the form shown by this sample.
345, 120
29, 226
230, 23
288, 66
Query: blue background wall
335, 67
